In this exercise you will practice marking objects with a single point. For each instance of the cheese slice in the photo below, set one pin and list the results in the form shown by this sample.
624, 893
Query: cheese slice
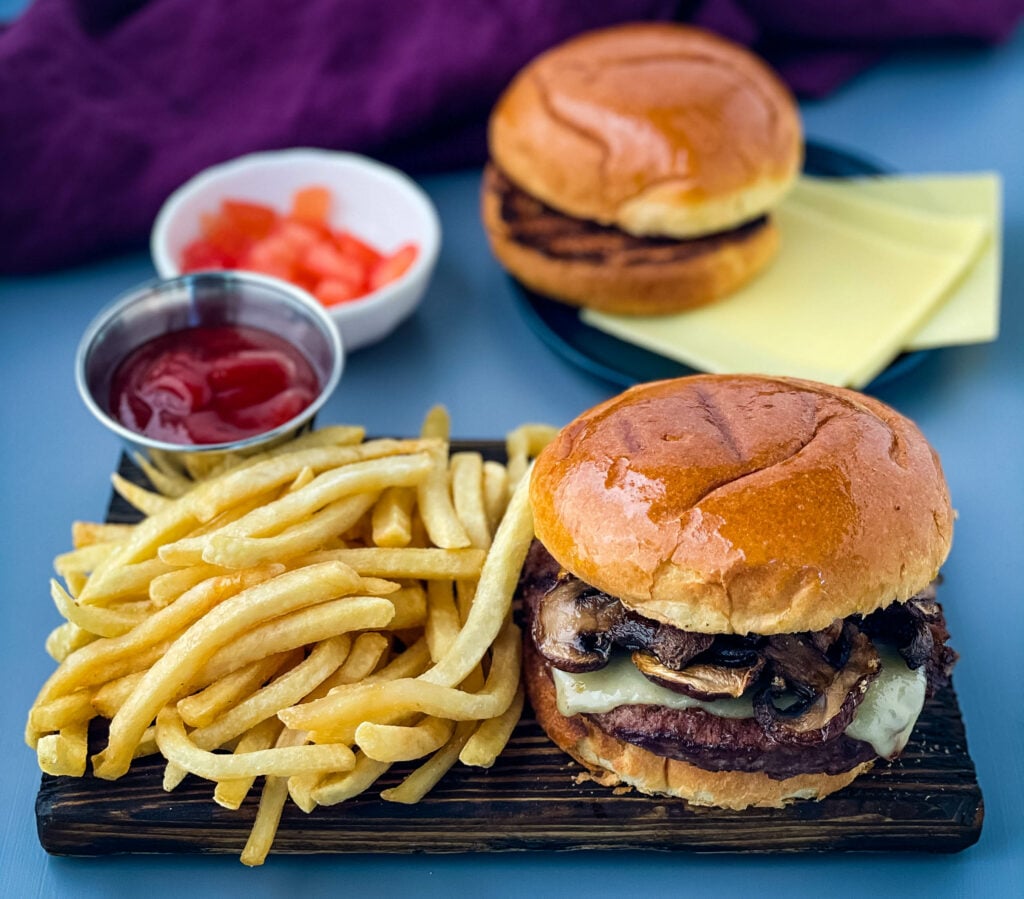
970, 313
885, 717
857, 277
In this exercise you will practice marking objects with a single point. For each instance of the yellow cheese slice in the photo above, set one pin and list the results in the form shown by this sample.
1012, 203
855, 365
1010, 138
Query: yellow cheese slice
855, 279
970, 314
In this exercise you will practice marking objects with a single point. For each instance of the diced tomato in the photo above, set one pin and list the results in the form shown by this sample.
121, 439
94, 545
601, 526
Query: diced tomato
324, 260
271, 256
299, 235
301, 247
200, 255
311, 204
394, 266
253, 220
350, 245
331, 291
220, 234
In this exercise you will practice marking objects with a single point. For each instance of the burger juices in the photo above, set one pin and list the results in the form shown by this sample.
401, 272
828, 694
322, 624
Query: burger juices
732, 594
633, 169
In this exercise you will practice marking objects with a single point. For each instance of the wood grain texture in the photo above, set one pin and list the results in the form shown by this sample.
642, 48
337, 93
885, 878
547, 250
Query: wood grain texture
929, 800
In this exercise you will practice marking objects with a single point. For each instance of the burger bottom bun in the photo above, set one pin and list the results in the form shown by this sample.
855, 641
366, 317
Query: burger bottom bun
611, 271
612, 762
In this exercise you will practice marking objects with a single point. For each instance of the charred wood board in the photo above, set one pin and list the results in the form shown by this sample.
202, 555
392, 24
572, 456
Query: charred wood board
928, 800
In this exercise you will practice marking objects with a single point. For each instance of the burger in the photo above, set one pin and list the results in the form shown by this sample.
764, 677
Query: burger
731, 597
633, 169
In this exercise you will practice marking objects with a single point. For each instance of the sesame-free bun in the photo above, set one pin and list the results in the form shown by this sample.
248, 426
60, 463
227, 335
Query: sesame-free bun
744, 504
657, 129
613, 762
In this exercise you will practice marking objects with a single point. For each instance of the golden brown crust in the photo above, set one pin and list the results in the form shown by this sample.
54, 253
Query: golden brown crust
656, 128
744, 504
620, 285
612, 762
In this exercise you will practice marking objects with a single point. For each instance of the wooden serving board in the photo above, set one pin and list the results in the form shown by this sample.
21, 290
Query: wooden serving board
928, 800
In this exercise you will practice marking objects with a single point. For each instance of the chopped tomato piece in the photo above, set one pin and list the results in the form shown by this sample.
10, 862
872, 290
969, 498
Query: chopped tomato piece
301, 247
331, 291
324, 260
394, 266
311, 204
350, 245
200, 255
271, 256
299, 235
253, 220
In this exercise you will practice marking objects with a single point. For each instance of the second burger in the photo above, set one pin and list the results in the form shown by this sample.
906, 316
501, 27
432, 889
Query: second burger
633, 169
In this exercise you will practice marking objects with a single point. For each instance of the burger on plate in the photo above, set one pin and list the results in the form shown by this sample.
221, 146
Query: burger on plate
633, 169
731, 597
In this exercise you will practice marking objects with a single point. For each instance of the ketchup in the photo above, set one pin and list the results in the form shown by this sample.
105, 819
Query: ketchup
215, 384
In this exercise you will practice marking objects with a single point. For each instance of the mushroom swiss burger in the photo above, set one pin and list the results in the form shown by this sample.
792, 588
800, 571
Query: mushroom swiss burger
731, 597
633, 169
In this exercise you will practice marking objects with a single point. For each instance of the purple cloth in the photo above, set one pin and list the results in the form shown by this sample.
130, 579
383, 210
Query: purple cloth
107, 105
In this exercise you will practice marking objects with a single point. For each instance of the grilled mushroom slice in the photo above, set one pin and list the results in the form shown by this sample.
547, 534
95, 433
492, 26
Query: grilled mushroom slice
701, 681
576, 625
822, 710
571, 627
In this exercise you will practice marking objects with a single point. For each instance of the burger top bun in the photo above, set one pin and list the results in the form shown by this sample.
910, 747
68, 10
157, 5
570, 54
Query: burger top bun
658, 129
744, 504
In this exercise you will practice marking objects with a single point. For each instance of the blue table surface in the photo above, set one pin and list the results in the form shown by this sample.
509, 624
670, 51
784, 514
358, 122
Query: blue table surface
952, 109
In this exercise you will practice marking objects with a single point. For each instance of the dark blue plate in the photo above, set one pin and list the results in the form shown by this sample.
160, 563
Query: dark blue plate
625, 364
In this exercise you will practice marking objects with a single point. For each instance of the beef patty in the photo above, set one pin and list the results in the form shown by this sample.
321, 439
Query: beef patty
542, 229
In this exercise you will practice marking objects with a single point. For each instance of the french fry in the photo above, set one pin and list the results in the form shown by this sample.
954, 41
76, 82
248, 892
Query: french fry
392, 517
74, 708
410, 562
86, 533
284, 593
401, 743
467, 474
280, 761
256, 478
436, 424
97, 620
111, 696
64, 754
334, 714
66, 639
351, 613
425, 777
97, 662
202, 708
230, 793
490, 738
335, 788
435, 504
284, 691
147, 502
234, 551
313, 613
496, 493
494, 592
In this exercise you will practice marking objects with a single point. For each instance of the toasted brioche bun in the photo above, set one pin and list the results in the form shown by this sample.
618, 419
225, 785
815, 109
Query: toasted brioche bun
659, 282
744, 504
658, 129
612, 762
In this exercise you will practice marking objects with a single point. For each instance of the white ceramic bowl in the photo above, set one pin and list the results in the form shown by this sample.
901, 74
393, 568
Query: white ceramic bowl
378, 203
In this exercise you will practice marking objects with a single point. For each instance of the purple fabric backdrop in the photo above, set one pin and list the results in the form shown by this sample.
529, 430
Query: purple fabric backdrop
107, 105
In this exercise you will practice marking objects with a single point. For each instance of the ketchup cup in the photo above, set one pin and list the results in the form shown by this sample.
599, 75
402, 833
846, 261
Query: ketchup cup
206, 300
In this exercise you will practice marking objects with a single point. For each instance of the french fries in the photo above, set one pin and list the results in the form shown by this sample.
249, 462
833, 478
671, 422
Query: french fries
302, 619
